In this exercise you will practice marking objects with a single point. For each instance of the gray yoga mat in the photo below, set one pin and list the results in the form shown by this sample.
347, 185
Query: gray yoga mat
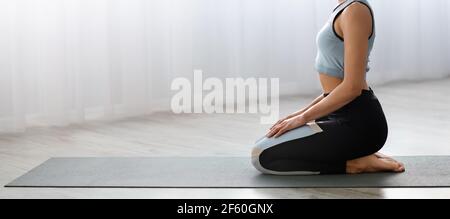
216, 172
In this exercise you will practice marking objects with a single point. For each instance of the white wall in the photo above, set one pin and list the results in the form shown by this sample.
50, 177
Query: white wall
62, 61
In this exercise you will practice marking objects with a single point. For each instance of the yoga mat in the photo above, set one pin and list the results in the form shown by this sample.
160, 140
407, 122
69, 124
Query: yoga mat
217, 172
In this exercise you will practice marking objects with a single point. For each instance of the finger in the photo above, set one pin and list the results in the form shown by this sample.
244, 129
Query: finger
279, 126
270, 134
281, 132
273, 126
279, 121
274, 131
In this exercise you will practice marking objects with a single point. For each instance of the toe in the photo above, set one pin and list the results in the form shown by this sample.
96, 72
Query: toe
401, 167
389, 165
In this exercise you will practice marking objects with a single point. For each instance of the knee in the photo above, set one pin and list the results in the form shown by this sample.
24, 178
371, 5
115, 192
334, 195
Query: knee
256, 153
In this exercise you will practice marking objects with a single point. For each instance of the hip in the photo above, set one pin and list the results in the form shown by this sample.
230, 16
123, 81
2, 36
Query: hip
364, 115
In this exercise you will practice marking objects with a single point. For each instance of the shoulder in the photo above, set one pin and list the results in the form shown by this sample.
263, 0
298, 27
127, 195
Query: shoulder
357, 12
357, 19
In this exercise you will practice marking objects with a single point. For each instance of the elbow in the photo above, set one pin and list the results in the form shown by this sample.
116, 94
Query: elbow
354, 91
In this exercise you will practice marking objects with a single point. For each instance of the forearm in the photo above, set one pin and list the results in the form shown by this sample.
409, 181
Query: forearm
337, 99
314, 102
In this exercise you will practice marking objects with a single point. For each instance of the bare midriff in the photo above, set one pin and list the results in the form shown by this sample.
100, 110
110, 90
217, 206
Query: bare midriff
330, 83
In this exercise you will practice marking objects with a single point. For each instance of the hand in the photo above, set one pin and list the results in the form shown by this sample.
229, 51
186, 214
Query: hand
286, 125
287, 118
279, 122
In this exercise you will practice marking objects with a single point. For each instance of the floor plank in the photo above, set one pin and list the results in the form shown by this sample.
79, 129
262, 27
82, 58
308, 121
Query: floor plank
419, 124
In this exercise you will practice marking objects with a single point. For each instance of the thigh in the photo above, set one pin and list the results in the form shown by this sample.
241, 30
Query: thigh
334, 143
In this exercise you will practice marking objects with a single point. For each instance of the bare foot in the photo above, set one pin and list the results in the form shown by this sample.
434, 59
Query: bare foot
383, 156
380, 155
374, 164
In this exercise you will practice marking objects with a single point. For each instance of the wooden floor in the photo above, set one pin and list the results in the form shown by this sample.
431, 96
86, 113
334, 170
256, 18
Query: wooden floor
418, 115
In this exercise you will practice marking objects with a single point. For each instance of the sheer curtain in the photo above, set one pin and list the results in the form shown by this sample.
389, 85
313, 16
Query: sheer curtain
68, 61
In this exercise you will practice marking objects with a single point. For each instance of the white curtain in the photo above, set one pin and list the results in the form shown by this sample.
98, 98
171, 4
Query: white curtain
68, 61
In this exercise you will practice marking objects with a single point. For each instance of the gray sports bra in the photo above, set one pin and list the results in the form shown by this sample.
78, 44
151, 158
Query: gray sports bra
330, 56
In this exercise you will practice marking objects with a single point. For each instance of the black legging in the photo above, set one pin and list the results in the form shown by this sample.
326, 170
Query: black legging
323, 147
